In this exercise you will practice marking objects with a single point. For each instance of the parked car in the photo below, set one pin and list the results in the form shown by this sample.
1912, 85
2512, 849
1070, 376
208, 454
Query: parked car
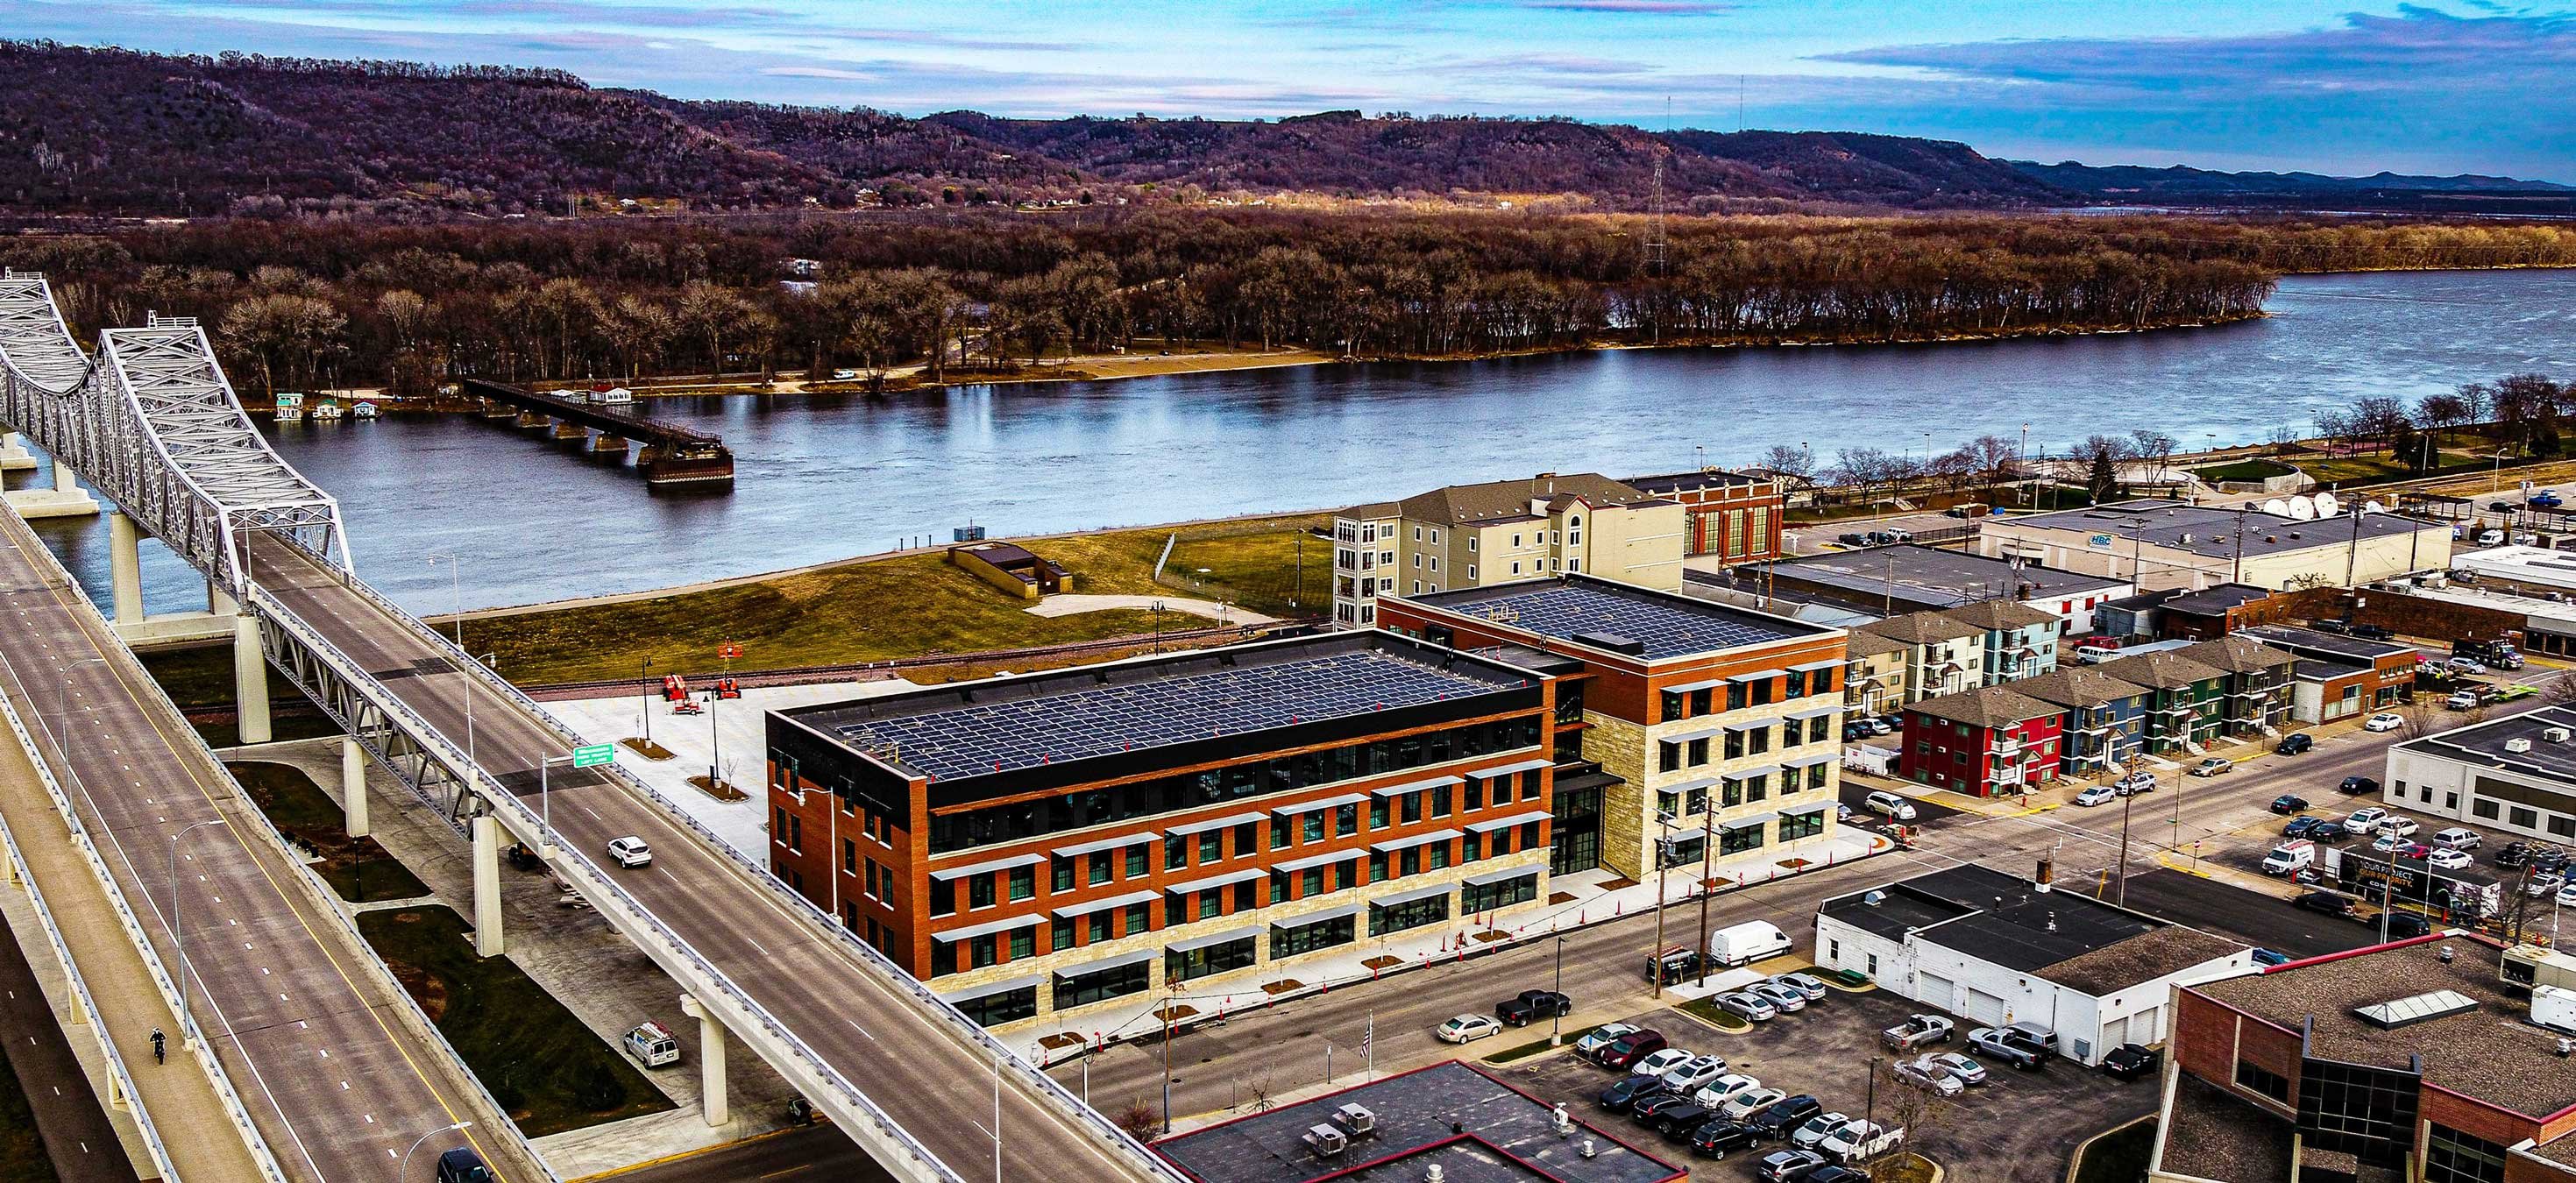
1635, 1045
630, 852
1992, 1043
1922, 1073
1716, 1138
2365, 819
2294, 743
1690, 1077
2141, 781
1658, 1063
2130, 1061
1788, 1166
1750, 1102
2329, 831
2466, 665
2306, 825
2403, 925
2544, 499
2398, 824
1891, 804
1880, 726
2384, 721
2458, 838
2289, 803
2373, 632
1467, 1027
1916, 1032
1727, 1087
2213, 766
1626, 1091
1677, 1121
2096, 795
2035, 1036
1969, 1072
1835, 1172
1644, 1109
1779, 1117
1532, 1005
2566, 897
1749, 1007
1856, 731
2332, 903
1852, 538
1678, 962
1782, 999
1858, 1139
1589, 1047
1816, 1129
2358, 786
1806, 984
2288, 857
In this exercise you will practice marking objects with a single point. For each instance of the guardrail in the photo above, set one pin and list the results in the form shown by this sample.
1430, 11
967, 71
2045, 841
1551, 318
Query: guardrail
605, 890
124, 1080
1113, 1138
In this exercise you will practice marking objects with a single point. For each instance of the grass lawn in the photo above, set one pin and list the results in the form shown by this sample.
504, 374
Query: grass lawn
1707, 1010
360, 870
201, 680
2119, 1156
911, 606
1526, 1050
22, 1149
540, 1063
2250, 469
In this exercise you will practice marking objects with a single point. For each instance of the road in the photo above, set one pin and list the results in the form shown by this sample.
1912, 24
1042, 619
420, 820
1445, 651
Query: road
918, 1069
334, 1081
77, 1135
819, 1154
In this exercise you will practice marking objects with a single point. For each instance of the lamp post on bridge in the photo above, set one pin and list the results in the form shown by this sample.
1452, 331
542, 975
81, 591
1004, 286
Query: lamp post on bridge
405, 1165
178, 931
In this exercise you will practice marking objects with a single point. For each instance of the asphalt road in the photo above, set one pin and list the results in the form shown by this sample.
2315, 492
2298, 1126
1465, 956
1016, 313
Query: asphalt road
815, 1154
334, 1081
77, 1135
919, 1070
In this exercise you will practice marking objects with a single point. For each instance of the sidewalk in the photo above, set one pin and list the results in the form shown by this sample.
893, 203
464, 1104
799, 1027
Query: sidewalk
1589, 897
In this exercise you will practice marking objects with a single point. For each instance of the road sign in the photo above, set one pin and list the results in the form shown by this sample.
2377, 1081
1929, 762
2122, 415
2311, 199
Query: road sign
589, 755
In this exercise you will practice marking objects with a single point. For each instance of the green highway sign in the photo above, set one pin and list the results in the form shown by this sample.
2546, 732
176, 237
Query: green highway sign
593, 754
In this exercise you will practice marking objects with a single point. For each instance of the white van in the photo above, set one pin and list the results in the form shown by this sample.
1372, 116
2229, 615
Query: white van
2289, 857
1745, 943
652, 1046
2094, 654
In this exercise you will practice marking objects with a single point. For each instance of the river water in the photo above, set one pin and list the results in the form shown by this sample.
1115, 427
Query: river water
820, 478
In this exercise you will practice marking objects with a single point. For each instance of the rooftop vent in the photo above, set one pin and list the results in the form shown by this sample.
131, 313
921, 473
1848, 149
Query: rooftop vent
2517, 744
2555, 734
1611, 642
2420, 1008
1873, 897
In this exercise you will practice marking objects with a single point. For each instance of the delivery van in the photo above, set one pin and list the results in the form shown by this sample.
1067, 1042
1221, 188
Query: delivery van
2289, 858
1745, 943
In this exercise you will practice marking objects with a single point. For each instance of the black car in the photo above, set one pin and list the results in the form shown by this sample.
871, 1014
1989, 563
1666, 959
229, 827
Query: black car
1532, 1005
2514, 855
2289, 803
2331, 903
1677, 1122
1788, 1166
2306, 826
2331, 626
1834, 1172
2357, 786
2129, 1061
1852, 538
1677, 963
2328, 831
2294, 743
1776, 1119
2371, 632
2402, 925
1626, 1091
1716, 1138
1647, 1105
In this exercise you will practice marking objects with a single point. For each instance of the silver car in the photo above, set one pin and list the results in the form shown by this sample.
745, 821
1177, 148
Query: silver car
1783, 999
1922, 1073
1749, 1007
1969, 1072
1807, 984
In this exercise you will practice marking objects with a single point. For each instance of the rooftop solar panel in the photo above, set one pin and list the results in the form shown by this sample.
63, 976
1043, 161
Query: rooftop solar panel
1668, 626
1094, 721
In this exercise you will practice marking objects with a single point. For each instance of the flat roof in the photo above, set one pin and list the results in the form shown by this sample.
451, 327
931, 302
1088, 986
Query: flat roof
2536, 565
1932, 577
2215, 601
2067, 937
1707, 478
1667, 624
2212, 530
2491, 1053
1002, 724
1505, 1136
2484, 743
2309, 640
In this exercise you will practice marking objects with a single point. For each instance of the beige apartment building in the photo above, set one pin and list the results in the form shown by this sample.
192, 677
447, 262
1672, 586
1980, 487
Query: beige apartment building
2164, 544
1464, 536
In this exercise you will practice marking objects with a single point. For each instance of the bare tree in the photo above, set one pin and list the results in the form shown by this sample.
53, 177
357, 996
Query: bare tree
1787, 461
2150, 444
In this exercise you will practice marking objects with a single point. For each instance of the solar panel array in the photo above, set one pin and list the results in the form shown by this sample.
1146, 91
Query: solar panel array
1667, 629
1098, 720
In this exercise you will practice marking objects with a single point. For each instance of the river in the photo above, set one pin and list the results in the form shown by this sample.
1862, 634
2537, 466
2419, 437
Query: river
821, 478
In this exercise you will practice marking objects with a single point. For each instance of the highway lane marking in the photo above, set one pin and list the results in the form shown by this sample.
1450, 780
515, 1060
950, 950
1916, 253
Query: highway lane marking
854, 1026
764, 950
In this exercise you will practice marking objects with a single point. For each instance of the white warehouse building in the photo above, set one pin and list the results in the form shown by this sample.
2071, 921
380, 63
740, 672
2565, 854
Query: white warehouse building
1995, 948
2515, 773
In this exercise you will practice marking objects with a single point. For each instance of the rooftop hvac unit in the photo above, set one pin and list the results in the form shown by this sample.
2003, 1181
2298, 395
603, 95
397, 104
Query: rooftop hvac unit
2555, 735
1355, 1118
2517, 745
1326, 1141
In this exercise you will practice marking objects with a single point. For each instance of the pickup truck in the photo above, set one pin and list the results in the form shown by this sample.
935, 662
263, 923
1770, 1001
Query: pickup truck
1860, 1140
1916, 1033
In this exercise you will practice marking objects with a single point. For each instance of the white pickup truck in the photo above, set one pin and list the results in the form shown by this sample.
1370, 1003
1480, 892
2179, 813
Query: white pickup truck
1860, 1140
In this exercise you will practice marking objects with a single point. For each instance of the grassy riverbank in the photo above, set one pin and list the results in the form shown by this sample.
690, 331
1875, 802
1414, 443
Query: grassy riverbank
909, 605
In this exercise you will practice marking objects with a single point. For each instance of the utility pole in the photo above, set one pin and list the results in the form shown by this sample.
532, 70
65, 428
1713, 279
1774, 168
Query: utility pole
1662, 845
644, 688
1707, 851
2126, 800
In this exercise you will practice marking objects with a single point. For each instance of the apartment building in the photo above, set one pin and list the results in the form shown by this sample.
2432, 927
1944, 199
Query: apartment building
1464, 536
1993, 741
2105, 723
1939, 654
1734, 517
2020, 640
1696, 721
1875, 667
2167, 544
1035, 844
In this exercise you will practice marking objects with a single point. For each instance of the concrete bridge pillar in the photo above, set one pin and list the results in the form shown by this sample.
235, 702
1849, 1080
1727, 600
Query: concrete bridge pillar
65, 500
125, 567
711, 1061
250, 680
604, 442
533, 421
566, 429
353, 785
487, 885
14, 456
218, 602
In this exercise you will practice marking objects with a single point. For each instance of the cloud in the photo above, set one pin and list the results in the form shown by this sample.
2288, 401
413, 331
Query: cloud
1635, 7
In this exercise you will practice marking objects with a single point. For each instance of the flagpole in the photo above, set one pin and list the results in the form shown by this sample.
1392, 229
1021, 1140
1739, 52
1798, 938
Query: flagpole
1368, 1045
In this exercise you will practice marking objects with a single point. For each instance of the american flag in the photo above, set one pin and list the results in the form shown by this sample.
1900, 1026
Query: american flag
1368, 1035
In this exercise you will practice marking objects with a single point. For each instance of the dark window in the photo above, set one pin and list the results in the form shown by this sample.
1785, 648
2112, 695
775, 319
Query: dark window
1346, 820
1471, 847
1489, 896
1061, 872
1474, 795
1794, 826
1211, 846
981, 951
1346, 873
1247, 895
1738, 839
1247, 838
1078, 989
1700, 700
1023, 942
1669, 757
1060, 935
2362, 1111
943, 958
1440, 801
1280, 833
1183, 965
1138, 856
1140, 918
2262, 1080
1384, 919
1409, 860
1735, 696
1412, 808
1005, 1006
2453, 1157
1377, 814
1024, 883
1176, 853
1100, 867
1211, 903
1529, 836
1310, 882
1306, 938
943, 897
1672, 705
1699, 751
1098, 924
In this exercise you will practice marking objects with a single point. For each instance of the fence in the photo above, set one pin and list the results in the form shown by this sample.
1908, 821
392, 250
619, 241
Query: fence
1264, 566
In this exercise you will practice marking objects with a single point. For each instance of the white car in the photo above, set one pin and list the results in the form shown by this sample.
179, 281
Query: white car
2447, 859
1751, 1101
2566, 895
2467, 665
1687, 1077
1968, 1071
1716, 1093
1467, 1027
1922, 1073
1602, 1036
2458, 838
1817, 1129
2402, 826
1858, 1139
1890, 804
2097, 795
1660, 1062
630, 852
2383, 721
2364, 820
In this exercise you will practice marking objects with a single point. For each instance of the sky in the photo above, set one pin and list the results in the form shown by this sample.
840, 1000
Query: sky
2339, 87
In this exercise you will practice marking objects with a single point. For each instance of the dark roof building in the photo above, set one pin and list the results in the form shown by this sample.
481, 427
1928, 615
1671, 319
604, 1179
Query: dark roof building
1925, 628
2079, 686
1990, 706
1893, 579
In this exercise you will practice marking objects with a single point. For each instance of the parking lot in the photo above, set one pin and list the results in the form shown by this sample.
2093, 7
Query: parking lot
2019, 1126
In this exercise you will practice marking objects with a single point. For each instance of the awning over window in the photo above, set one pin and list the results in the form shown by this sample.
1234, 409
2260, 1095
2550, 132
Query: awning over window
1416, 786
1394, 844
1310, 919
1746, 823
1215, 938
987, 928
999, 864
1312, 861
1515, 767
1105, 964
1503, 876
1088, 907
988, 989
1416, 895
1505, 823
1099, 844
1321, 803
1214, 823
1228, 879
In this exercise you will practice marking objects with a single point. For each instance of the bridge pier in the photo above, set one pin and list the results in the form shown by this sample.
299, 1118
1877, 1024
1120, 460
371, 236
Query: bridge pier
65, 500
711, 1061
497, 410
125, 568
219, 602
250, 681
533, 421
568, 430
353, 786
14, 456
487, 885
604, 442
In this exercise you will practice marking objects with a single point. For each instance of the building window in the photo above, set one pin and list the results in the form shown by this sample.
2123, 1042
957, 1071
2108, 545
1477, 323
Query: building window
2453, 1157
1698, 751
1474, 794
1024, 883
1140, 918
1313, 827
1471, 847
1061, 874
979, 891
1116, 982
943, 897
1176, 853
1004, 1006
1794, 826
1310, 882
1181, 965
1247, 838
1516, 567
1060, 935
1137, 857
1670, 759
1487, 897
1412, 808
2262, 1080
943, 959
1471, 567
982, 951
1211, 846
1023, 943
1098, 924
1280, 835
1384, 919
1377, 813
1346, 820
1738, 839
1287, 941
1099, 867
1440, 801
1211, 903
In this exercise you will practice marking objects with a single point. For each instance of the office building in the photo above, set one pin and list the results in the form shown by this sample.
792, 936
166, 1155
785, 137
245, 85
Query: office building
2167, 544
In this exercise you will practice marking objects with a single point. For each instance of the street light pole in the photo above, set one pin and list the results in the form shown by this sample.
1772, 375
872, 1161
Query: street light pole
1556, 1019
415, 1145
2127, 800
644, 690
1707, 852
178, 931
1662, 845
